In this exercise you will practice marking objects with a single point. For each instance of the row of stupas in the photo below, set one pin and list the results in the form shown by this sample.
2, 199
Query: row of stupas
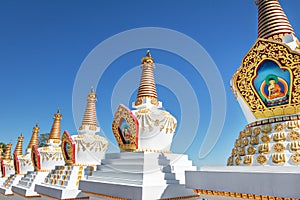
76, 166
265, 159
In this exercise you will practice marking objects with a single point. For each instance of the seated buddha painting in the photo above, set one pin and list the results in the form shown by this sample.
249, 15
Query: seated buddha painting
272, 83
124, 131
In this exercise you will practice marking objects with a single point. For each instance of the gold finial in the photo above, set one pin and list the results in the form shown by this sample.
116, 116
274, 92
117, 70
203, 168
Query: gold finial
272, 21
55, 130
19, 146
34, 138
147, 87
90, 117
7, 152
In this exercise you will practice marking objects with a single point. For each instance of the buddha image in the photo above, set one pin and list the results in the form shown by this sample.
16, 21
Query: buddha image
274, 89
124, 129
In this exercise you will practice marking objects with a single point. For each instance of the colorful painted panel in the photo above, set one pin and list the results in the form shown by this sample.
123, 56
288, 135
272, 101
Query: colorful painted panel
68, 148
272, 84
36, 158
125, 128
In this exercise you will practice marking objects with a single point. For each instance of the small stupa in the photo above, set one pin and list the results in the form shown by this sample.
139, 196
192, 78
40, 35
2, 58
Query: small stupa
13, 177
264, 162
7, 164
145, 168
82, 153
44, 159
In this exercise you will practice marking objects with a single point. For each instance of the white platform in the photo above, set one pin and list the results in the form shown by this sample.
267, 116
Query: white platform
271, 181
6, 186
139, 176
63, 182
26, 185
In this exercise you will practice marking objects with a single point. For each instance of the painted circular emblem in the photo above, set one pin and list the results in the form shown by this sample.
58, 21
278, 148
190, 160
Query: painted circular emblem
251, 150
294, 135
278, 147
265, 138
279, 127
261, 159
296, 158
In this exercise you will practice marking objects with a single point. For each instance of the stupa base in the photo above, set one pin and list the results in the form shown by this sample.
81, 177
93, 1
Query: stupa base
245, 182
26, 185
6, 187
139, 176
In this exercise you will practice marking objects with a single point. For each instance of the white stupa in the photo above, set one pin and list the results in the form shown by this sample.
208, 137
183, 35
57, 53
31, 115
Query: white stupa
44, 159
82, 153
264, 162
145, 168
22, 163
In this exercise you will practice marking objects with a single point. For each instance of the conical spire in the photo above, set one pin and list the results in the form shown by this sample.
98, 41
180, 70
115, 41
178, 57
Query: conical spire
147, 88
90, 117
55, 130
19, 147
34, 138
7, 152
272, 21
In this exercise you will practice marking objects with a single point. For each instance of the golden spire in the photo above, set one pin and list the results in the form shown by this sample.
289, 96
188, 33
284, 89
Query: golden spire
90, 117
34, 138
272, 21
19, 147
147, 88
55, 130
7, 152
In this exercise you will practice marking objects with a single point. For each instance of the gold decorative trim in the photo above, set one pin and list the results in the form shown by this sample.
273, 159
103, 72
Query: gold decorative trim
296, 158
278, 147
278, 158
265, 138
286, 58
262, 159
251, 150
237, 195
294, 135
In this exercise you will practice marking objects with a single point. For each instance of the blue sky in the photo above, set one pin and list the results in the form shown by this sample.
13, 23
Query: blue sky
44, 43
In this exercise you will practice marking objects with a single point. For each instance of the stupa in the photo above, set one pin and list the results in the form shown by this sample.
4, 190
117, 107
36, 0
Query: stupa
82, 153
7, 163
145, 168
265, 159
44, 159
12, 175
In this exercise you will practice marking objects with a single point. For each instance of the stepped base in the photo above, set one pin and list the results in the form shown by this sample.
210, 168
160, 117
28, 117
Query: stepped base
63, 182
248, 182
26, 185
139, 176
6, 187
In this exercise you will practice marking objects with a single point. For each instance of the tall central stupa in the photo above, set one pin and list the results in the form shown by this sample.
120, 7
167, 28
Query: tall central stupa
264, 162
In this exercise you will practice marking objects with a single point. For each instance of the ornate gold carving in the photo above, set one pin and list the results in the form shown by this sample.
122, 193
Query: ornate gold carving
248, 132
251, 150
238, 160
230, 161
126, 114
234, 152
265, 138
254, 140
292, 125
278, 158
243, 78
242, 151
242, 134
248, 160
295, 146
279, 127
294, 135
256, 131
245, 141
267, 128
237, 143
264, 148
261, 159
278, 147
234, 92
277, 137
296, 158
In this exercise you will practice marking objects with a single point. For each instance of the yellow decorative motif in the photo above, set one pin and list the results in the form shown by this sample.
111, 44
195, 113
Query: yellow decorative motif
242, 151
234, 152
286, 58
242, 134
278, 147
248, 132
254, 140
277, 137
238, 160
265, 138
264, 148
245, 141
261, 159
237, 143
294, 135
251, 150
291, 125
267, 128
230, 161
248, 160
296, 158
278, 158
256, 131
279, 127
295, 146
